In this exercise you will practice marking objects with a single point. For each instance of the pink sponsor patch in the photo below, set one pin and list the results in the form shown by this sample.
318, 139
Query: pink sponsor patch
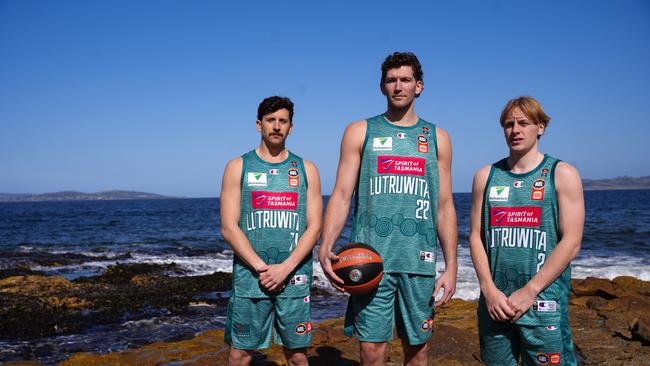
515, 216
400, 165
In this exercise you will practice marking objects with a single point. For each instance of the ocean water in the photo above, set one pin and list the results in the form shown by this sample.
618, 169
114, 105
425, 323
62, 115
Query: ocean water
88, 236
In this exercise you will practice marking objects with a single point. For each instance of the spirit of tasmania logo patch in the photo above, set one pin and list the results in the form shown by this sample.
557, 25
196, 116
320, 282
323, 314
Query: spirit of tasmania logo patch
400, 165
275, 200
515, 216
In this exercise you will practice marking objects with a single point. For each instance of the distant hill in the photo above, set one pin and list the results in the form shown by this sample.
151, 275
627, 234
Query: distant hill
80, 196
616, 183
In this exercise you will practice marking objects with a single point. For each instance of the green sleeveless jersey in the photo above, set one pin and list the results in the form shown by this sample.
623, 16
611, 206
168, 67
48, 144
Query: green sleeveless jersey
397, 195
520, 230
273, 215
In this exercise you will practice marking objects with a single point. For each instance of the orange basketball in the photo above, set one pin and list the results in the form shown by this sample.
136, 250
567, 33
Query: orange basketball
360, 267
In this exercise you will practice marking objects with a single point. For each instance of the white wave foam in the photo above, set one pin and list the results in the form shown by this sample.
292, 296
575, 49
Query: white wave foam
611, 267
467, 287
195, 266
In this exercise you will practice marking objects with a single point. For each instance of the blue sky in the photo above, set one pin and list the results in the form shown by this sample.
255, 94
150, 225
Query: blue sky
157, 95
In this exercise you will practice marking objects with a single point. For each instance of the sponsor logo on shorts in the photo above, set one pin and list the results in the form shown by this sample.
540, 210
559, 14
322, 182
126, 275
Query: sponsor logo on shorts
543, 359
355, 275
551, 327
299, 280
555, 358
400, 165
427, 256
242, 330
305, 299
547, 306
427, 324
516, 216
256, 179
401, 135
549, 358
499, 193
274, 200
382, 143
274, 171
303, 328
518, 184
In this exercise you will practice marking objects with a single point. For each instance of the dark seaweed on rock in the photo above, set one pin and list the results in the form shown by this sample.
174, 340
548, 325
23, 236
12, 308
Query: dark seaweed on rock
34, 306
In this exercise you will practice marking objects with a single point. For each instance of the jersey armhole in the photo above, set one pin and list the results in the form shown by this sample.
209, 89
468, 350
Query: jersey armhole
241, 178
485, 202
556, 211
435, 139
365, 139
363, 150
302, 164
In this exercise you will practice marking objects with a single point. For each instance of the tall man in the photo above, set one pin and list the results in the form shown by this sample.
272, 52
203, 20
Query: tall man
526, 226
271, 210
400, 167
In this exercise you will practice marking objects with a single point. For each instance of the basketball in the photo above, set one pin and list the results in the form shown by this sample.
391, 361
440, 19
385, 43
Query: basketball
360, 267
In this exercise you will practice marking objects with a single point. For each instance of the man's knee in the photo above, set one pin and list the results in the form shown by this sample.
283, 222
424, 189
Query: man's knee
239, 357
296, 357
415, 355
372, 353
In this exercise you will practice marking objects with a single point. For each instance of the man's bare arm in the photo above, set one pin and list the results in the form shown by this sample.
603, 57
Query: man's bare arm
446, 225
339, 203
495, 300
230, 211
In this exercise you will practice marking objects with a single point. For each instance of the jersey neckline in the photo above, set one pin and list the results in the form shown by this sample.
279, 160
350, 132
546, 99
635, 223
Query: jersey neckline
520, 175
259, 158
389, 123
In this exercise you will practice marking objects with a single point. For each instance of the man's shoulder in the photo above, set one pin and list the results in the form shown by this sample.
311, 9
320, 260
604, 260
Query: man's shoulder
356, 130
567, 173
362, 123
235, 164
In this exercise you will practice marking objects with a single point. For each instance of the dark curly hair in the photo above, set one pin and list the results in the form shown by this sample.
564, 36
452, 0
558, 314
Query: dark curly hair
398, 59
274, 104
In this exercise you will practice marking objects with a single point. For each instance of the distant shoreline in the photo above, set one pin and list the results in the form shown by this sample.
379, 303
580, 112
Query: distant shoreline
610, 184
113, 195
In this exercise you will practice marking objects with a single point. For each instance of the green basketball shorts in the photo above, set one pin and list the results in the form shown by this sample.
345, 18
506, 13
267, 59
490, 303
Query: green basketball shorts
403, 300
504, 343
250, 322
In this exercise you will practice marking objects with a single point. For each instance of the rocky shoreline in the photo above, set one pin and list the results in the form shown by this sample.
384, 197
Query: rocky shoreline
610, 319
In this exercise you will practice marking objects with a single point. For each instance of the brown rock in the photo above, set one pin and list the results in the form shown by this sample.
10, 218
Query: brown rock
592, 286
633, 285
641, 330
609, 323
